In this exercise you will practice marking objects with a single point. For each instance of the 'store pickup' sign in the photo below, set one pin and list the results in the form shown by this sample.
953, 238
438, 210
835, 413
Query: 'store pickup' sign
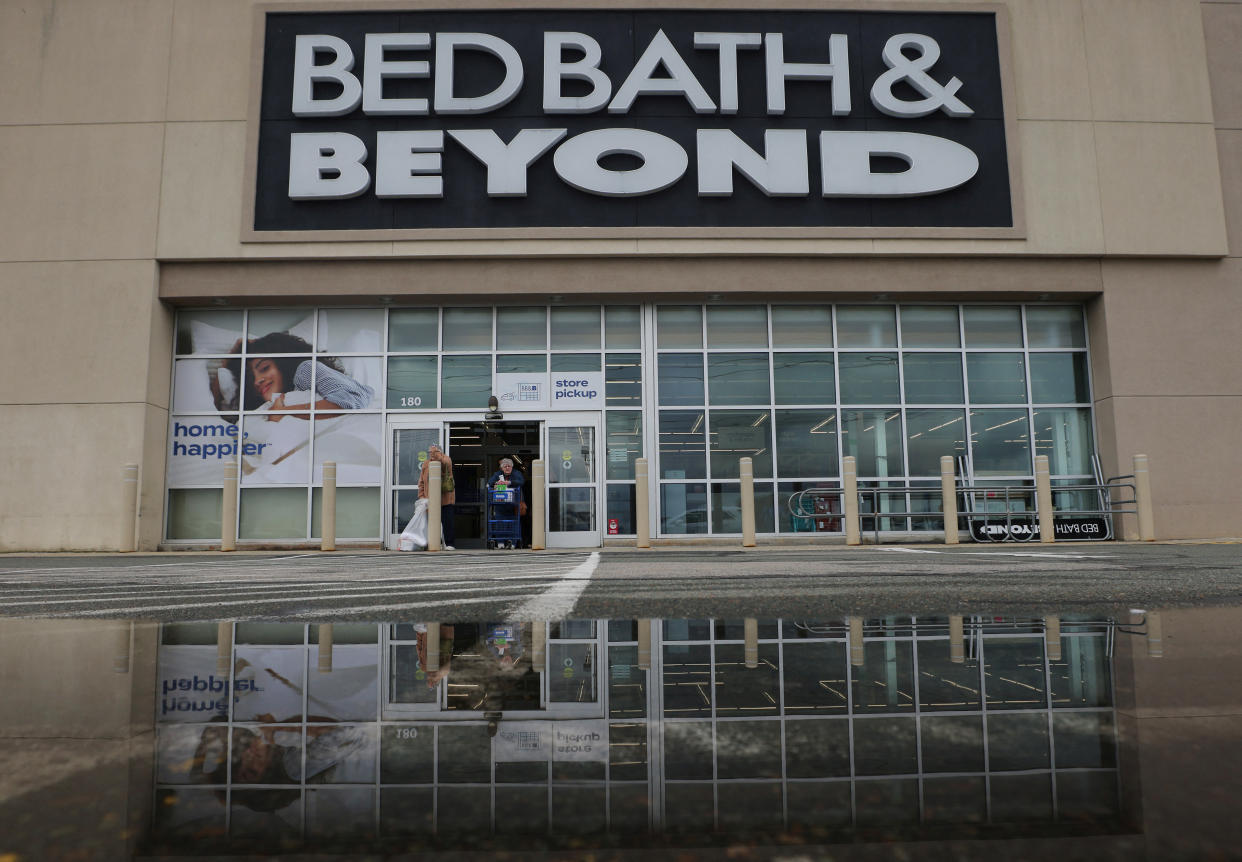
654, 118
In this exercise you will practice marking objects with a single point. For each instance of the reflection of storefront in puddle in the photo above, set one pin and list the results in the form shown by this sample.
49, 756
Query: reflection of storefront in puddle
444, 734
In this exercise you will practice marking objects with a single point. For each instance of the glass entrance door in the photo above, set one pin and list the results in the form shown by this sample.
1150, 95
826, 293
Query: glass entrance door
571, 442
407, 450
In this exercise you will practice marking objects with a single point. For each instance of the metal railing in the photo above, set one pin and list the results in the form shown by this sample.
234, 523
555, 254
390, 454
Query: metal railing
977, 504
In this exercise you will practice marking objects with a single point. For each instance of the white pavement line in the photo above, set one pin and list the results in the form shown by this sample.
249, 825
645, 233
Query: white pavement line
170, 589
307, 592
911, 551
290, 599
558, 601
370, 609
1065, 556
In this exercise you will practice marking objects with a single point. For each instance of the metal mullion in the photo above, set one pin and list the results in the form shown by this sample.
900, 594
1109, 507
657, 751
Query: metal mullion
305, 714
655, 730
780, 691
918, 709
711, 684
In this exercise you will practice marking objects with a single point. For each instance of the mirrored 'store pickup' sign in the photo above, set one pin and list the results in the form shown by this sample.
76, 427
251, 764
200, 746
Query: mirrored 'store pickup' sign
631, 118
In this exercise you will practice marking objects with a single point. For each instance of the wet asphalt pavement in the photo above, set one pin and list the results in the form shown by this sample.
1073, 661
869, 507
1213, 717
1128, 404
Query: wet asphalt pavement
716, 581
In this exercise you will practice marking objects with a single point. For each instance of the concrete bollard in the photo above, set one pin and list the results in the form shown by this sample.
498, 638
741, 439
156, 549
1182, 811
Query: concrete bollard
948, 499
642, 507
849, 502
129, 509
325, 647
435, 472
539, 644
1052, 638
538, 520
433, 647
224, 648
1155, 635
1142, 500
750, 642
1043, 501
228, 509
746, 469
858, 652
327, 541
957, 644
644, 644
123, 636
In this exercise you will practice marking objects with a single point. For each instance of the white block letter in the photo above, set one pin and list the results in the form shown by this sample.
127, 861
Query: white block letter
836, 70
447, 45
407, 164
577, 162
555, 70
935, 164
376, 69
306, 74
727, 44
507, 163
681, 80
326, 166
782, 171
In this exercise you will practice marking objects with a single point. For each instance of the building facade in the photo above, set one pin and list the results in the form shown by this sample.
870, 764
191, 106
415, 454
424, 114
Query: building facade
282, 234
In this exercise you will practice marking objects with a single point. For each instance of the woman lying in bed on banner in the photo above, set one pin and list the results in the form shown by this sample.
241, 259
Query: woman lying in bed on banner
277, 381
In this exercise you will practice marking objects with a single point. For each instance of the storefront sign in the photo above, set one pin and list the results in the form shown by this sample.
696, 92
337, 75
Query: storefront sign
576, 390
403, 122
1065, 530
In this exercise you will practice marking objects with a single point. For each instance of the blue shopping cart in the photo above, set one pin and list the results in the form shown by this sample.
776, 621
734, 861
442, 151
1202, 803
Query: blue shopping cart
504, 529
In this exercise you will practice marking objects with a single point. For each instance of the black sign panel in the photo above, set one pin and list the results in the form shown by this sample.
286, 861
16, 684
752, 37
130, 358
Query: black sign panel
836, 72
1027, 530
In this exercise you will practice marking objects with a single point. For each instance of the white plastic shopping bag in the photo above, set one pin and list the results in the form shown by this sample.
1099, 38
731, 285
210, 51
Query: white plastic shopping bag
414, 536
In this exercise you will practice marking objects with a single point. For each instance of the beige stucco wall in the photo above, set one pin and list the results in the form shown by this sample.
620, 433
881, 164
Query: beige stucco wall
123, 124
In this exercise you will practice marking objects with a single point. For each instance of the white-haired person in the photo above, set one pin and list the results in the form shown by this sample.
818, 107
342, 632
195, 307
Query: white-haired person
514, 479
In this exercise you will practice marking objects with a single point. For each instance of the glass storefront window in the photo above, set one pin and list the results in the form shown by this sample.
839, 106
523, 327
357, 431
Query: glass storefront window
931, 434
1064, 435
576, 328
522, 363
992, 325
737, 326
868, 378
866, 326
466, 381
873, 437
802, 326
625, 442
467, 329
562, 362
194, 513
622, 507
679, 326
804, 378
521, 328
1000, 442
412, 382
996, 378
413, 329
623, 379
622, 327
683, 507
929, 326
265, 327
680, 379
351, 330
933, 378
727, 508
207, 332
740, 434
272, 513
357, 513
737, 378
1059, 378
1055, 326
806, 443
683, 444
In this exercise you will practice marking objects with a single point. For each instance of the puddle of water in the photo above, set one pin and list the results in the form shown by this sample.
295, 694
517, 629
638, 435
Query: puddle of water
1068, 733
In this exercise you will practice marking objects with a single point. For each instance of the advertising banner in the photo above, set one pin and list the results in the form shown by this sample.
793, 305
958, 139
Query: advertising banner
405, 121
